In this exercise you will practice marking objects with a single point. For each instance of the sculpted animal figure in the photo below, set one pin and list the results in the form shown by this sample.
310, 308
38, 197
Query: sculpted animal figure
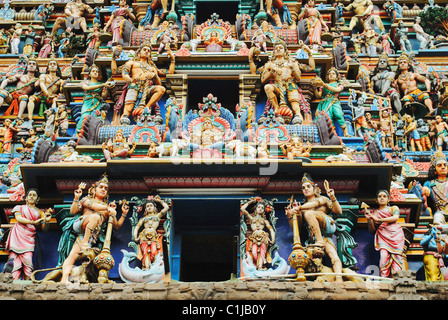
83, 274
241, 149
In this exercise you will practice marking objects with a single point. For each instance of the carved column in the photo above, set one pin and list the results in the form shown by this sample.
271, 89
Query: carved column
176, 87
249, 88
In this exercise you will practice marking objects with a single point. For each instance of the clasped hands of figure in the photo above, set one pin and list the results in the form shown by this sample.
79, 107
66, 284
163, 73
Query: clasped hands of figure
46, 218
369, 215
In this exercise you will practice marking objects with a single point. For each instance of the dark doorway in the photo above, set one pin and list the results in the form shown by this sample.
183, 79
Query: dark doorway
226, 92
227, 10
206, 257
207, 231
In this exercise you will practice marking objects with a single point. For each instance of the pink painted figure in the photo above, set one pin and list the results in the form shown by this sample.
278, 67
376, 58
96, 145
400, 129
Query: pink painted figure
389, 235
386, 43
47, 47
259, 239
21, 239
316, 24
118, 17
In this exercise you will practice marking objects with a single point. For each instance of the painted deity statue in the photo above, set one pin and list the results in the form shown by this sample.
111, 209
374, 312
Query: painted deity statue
386, 128
259, 239
362, 10
295, 148
91, 212
75, 12
435, 189
95, 94
26, 84
10, 130
411, 133
440, 129
116, 21
15, 38
423, 38
403, 36
330, 104
406, 81
143, 77
145, 232
389, 235
207, 136
434, 246
118, 148
315, 214
280, 76
382, 79
315, 22
50, 84
21, 239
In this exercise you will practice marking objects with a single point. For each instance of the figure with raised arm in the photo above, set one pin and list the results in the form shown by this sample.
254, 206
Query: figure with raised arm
94, 211
22, 237
389, 235
145, 232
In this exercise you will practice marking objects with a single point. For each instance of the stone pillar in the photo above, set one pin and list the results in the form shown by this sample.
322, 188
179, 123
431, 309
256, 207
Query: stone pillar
176, 87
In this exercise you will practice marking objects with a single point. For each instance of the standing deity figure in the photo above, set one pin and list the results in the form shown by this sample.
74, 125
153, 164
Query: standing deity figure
389, 235
382, 79
74, 20
386, 128
10, 131
259, 239
280, 76
315, 213
93, 211
21, 239
411, 133
15, 38
424, 129
434, 246
117, 20
407, 79
439, 127
362, 10
143, 78
436, 188
403, 36
148, 238
50, 84
315, 22
330, 104
95, 94
30, 34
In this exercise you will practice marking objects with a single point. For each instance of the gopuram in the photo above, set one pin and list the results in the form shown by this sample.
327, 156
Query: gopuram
223, 150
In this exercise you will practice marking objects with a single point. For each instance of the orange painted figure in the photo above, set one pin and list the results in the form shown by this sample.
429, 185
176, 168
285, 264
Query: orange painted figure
149, 239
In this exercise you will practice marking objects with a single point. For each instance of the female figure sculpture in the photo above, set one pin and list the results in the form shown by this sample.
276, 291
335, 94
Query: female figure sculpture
389, 235
315, 22
259, 239
95, 93
330, 104
148, 237
21, 239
